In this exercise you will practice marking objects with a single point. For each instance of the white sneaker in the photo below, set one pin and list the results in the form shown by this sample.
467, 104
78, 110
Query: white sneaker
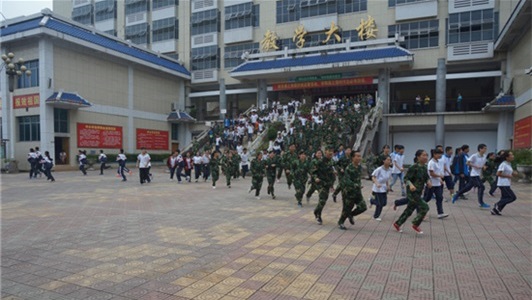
442, 216
213, 187
258, 198
378, 219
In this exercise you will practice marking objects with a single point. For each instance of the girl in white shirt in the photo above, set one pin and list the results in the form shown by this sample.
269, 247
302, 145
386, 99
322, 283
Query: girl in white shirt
504, 182
380, 178
197, 165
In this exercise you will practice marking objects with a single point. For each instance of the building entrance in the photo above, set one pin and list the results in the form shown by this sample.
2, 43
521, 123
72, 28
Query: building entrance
62, 146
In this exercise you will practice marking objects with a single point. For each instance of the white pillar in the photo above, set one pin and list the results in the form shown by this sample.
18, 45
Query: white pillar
441, 87
262, 92
7, 111
131, 134
384, 95
183, 131
504, 130
46, 74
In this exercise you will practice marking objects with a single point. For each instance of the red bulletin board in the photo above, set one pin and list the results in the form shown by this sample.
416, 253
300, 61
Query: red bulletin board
523, 133
152, 139
99, 136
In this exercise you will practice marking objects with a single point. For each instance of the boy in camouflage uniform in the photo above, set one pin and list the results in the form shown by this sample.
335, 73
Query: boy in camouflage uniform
341, 165
214, 164
271, 166
313, 163
352, 191
235, 164
300, 169
287, 160
488, 171
257, 174
227, 166
324, 177
416, 177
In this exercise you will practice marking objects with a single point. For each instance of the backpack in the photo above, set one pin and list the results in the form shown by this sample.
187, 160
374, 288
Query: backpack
103, 159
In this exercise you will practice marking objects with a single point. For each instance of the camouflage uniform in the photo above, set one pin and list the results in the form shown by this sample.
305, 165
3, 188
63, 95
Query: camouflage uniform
300, 171
324, 171
416, 175
214, 164
235, 164
351, 193
287, 160
341, 164
313, 186
271, 166
487, 174
257, 175
227, 168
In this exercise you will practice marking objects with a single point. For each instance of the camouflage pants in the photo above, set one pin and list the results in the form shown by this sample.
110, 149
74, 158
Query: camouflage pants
228, 176
323, 196
271, 182
256, 184
349, 202
338, 189
279, 173
215, 176
289, 178
311, 189
414, 202
300, 190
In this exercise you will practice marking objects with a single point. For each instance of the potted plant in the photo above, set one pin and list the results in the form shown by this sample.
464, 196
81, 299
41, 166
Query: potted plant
523, 163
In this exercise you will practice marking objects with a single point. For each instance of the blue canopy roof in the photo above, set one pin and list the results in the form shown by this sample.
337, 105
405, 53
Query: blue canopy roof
71, 99
96, 38
320, 59
180, 116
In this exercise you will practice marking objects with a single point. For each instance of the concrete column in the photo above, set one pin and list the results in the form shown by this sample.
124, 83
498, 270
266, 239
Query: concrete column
183, 131
131, 134
384, 95
441, 87
223, 99
504, 130
262, 92
46, 73
7, 110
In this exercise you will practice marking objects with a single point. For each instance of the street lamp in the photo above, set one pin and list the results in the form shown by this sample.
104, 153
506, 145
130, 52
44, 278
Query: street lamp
14, 69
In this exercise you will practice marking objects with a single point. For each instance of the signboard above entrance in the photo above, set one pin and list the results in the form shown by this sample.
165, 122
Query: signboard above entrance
318, 77
321, 84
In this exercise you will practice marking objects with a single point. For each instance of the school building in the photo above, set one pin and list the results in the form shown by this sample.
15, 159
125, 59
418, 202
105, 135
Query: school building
87, 90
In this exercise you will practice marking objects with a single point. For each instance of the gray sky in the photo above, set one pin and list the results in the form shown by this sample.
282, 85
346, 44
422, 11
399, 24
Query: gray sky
16, 8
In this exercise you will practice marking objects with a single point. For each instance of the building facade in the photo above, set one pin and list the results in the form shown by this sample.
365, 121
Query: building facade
88, 91
451, 40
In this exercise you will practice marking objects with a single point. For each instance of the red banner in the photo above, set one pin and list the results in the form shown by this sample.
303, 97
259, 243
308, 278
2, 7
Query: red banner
523, 133
25, 101
321, 84
152, 139
99, 136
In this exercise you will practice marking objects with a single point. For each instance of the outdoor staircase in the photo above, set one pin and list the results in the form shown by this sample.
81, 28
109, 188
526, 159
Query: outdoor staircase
368, 130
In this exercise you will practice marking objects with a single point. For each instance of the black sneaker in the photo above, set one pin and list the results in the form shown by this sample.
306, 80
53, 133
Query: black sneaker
495, 211
342, 227
334, 199
319, 220
351, 220
273, 196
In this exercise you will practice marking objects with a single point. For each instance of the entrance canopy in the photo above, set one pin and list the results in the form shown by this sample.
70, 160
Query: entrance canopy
293, 65
180, 117
67, 100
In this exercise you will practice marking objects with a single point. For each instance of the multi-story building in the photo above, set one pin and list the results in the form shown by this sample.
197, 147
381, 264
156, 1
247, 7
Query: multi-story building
447, 51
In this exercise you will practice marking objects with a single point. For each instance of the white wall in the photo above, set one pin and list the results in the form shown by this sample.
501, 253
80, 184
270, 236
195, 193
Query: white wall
425, 140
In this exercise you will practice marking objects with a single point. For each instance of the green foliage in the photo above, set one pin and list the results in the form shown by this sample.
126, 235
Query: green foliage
522, 157
305, 109
273, 129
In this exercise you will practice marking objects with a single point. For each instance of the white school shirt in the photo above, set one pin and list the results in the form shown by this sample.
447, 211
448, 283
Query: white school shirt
205, 159
303, 121
436, 167
382, 175
102, 155
32, 155
399, 159
47, 159
173, 161
239, 149
476, 160
197, 160
81, 158
251, 129
254, 118
446, 164
244, 159
218, 141
144, 160
121, 156
506, 169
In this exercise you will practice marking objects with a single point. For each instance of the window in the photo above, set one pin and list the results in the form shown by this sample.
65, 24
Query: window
241, 15
60, 120
205, 22
392, 3
417, 35
350, 6
205, 58
32, 81
82, 14
175, 132
138, 34
111, 32
164, 3
104, 10
29, 129
312, 8
135, 6
233, 54
288, 11
165, 29
472, 26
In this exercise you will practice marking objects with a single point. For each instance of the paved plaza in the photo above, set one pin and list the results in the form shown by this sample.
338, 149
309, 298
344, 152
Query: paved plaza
95, 237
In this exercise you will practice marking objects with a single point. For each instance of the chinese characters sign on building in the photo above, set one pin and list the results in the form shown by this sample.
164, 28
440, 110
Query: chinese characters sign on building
367, 29
321, 84
99, 136
334, 30
270, 41
26, 101
523, 133
299, 36
152, 139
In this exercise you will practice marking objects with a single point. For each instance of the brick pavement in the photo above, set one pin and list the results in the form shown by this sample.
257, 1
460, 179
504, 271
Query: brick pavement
94, 237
